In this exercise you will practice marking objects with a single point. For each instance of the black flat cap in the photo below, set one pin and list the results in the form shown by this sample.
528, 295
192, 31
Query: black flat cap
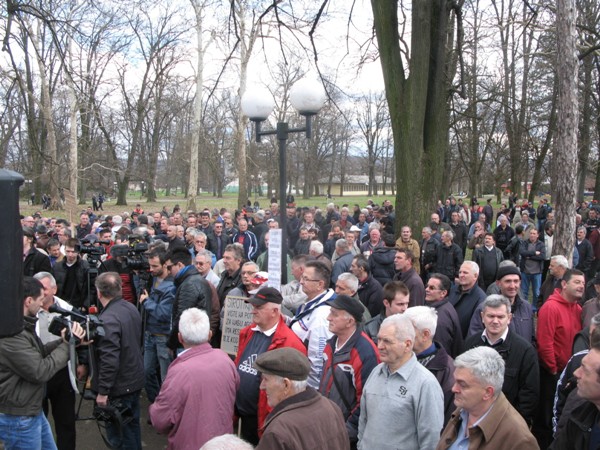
508, 270
348, 304
285, 362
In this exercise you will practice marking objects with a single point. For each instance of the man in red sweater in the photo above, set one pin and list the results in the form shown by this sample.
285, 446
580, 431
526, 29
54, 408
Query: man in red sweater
559, 320
267, 332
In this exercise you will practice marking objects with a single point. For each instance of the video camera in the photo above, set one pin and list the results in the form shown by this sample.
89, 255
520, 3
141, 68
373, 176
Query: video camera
134, 252
90, 323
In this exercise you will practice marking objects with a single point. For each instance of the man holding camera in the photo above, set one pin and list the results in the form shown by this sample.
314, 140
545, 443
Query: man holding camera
25, 367
118, 370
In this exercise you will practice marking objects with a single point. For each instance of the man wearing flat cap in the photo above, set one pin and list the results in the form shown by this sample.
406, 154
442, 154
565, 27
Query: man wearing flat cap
349, 358
508, 279
301, 417
267, 331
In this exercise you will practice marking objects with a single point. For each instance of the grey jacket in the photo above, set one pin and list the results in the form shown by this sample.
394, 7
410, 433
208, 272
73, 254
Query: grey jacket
25, 366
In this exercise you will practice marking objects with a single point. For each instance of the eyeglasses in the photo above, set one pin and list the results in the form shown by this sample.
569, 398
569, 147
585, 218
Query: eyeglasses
305, 279
432, 288
248, 273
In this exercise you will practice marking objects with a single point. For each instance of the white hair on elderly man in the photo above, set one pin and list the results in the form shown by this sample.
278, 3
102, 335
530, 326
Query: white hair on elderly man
226, 442
485, 364
194, 326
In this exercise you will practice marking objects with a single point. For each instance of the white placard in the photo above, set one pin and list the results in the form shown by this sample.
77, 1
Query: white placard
275, 250
237, 315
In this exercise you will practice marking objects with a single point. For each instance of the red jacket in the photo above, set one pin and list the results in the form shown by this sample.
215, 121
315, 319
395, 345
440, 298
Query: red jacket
559, 321
283, 337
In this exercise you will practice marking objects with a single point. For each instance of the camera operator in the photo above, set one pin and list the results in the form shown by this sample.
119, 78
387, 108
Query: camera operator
25, 366
59, 389
119, 265
71, 275
158, 307
118, 369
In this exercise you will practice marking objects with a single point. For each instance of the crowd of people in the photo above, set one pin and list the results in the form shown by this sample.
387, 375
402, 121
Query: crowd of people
474, 335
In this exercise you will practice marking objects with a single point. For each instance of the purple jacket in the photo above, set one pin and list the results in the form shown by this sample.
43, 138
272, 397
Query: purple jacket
196, 400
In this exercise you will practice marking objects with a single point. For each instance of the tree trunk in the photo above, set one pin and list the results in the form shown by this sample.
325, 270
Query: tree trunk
565, 159
417, 103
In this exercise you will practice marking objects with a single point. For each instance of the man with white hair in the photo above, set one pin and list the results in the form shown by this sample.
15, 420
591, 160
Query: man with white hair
484, 417
432, 354
301, 417
466, 295
402, 402
227, 442
200, 379
522, 381
343, 261
556, 270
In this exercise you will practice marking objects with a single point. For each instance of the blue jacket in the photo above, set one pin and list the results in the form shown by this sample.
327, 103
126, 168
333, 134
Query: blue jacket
159, 307
250, 244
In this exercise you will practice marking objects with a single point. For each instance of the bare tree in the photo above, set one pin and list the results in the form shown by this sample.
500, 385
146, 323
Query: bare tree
565, 155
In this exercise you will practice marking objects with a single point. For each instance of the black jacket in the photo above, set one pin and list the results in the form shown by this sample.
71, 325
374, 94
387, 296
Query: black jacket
212, 243
227, 283
522, 374
370, 293
428, 253
192, 291
381, 263
465, 304
577, 431
35, 262
448, 331
119, 365
448, 260
441, 365
60, 274
503, 236
373, 325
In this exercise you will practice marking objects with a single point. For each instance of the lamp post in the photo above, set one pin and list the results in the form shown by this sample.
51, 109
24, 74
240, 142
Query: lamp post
307, 97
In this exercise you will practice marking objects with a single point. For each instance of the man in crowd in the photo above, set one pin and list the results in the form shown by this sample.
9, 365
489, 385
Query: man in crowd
508, 280
233, 257
192, 291
559, 321
217, 240
71, 276
158, 309
582, 423
247, 239
406, 241
267, 331
484, 418
586, 254
118, 369
370, 292
200, 380
202, 261
403, 263
488, 257
431, 354
466, 295
292, 293
402, 401
533, 253
556, 271
448, 332
310, 322
25, 366
301, 417
460, 230
503, 234
522, 376
84, 227
349, 358
449, 257
395, 301
343, 261
60, 394
428, 248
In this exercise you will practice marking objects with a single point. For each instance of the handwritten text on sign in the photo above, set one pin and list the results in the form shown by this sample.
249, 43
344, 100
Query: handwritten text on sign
237, 315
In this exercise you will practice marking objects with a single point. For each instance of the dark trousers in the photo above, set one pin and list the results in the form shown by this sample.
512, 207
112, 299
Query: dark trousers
542, 426
249, 429
61, 397
131, 438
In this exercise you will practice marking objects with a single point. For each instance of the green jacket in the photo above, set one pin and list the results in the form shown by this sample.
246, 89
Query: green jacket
25, 366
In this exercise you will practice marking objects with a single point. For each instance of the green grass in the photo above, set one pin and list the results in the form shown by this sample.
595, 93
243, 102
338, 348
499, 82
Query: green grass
204, 200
